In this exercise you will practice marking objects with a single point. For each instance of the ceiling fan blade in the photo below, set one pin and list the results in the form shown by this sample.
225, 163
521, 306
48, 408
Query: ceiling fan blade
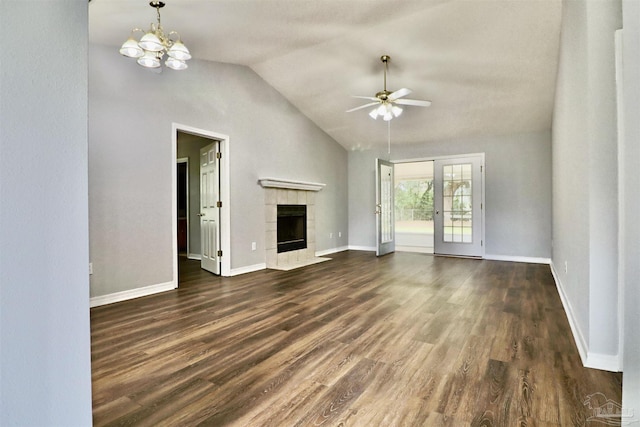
371, 98
400, 93
371, 104
416, 102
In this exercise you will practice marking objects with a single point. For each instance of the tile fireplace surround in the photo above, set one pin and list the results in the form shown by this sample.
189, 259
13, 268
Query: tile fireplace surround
287, 192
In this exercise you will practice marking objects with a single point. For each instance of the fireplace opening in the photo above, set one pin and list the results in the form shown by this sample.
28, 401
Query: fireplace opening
292, 227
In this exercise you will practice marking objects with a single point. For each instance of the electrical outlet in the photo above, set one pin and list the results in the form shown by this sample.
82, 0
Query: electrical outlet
331, 235
90, 268
339, 233
253, 246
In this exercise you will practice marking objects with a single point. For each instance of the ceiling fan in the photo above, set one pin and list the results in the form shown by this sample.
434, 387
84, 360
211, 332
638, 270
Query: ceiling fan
387, 103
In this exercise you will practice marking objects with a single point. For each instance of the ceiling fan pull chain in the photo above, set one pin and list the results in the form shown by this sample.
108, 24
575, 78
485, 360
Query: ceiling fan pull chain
389, 137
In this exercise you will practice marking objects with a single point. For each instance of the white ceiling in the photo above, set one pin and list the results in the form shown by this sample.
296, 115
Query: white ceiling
488, 66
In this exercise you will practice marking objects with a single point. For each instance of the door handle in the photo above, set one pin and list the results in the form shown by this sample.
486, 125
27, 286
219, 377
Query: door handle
201, 214
437, 212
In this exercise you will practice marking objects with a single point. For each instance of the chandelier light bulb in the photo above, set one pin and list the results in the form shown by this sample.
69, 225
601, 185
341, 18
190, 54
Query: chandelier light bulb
151, 41
176, 64
179, 51
149, 60
131, 49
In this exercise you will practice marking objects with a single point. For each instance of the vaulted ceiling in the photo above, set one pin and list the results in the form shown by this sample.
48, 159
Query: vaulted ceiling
488, 66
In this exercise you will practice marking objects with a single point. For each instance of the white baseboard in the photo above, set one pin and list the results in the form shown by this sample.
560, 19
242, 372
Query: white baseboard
605, 362
247, 269
361, 248
131, 294
510, 258
331, 251
197, 257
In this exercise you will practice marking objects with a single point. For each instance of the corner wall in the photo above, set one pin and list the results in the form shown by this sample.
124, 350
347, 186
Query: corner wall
585, 215
629, 162
45, 360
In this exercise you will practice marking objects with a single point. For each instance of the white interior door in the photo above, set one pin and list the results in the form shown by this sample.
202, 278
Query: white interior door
458, 199
385, 223
210, 208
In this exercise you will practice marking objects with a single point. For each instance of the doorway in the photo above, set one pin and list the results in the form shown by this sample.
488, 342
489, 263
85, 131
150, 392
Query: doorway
414, 206
183, 205
438, 205
193, 139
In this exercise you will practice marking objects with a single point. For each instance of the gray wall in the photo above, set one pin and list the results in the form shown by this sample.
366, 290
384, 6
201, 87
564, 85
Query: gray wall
45, 363
131, 111
189, 146
585, 173
631, 208
517, 186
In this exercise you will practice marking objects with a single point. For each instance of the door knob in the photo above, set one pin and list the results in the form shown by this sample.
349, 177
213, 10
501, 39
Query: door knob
437, 212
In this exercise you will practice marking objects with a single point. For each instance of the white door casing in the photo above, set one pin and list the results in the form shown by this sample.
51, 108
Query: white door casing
210, 208
385, 223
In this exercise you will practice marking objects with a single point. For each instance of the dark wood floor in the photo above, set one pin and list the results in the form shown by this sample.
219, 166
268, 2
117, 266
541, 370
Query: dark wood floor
403, 340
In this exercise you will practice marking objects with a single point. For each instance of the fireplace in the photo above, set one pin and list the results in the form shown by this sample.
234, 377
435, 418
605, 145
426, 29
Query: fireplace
291, 227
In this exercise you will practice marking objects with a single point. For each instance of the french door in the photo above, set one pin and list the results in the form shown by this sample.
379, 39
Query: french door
458, 199
210, 208
385, 223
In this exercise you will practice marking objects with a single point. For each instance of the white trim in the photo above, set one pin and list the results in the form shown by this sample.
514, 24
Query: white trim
581, 344
248, 269
432, 158
621, 191
510, 258
290, 184
605, 362
331, 251
225, 196
197, 257
131, 294
361, 248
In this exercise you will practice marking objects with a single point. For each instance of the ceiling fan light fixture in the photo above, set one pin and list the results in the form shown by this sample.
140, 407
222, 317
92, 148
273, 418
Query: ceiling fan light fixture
387, 103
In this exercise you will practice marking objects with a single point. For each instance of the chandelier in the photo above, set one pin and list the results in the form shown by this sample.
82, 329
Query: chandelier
154, 44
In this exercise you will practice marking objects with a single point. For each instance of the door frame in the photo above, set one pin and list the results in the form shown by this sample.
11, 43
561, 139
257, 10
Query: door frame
186, 161
225, 196
482, 189
384, 248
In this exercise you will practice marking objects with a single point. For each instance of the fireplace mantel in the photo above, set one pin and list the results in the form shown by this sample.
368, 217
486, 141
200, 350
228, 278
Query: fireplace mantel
290, 184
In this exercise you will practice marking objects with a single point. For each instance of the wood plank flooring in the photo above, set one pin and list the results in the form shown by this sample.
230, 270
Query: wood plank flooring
402, 340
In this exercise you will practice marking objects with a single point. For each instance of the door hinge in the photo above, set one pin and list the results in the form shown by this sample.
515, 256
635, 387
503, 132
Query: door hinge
481, 168
481, 206
218, 155
219, 253
481, 243
218, 204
